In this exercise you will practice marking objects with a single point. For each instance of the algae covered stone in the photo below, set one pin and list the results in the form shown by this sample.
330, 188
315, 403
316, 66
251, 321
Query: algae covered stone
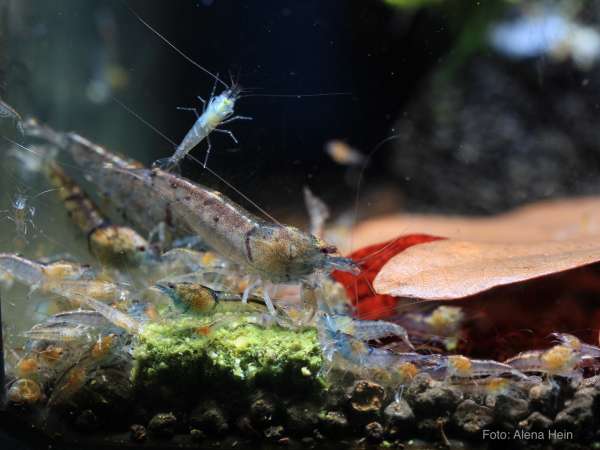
193, 353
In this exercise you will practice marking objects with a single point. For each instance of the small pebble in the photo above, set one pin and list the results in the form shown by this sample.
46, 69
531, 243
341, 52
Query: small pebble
536, 422
333, 424
197, 435
274, 433
163, 424
374, 432
137, 433
472, 418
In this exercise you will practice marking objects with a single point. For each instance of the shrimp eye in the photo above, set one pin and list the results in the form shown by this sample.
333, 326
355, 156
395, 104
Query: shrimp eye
141, 248
329, 249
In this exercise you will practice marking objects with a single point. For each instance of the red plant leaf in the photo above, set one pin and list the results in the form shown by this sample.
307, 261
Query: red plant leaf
369, 304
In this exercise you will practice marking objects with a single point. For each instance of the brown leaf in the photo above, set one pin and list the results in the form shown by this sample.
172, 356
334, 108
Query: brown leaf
451, 269
542, 221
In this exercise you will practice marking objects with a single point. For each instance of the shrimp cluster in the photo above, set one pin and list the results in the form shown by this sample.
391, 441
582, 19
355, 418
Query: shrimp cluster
173, 248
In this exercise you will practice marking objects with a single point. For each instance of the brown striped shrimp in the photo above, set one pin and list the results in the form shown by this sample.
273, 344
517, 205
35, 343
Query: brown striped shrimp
270, 251
113, 245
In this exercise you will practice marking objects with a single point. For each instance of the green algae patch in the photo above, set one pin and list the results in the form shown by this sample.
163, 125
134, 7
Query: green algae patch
189, 355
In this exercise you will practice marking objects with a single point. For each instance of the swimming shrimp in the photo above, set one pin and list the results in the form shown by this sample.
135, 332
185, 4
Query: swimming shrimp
216, 112
22, 217
268, 250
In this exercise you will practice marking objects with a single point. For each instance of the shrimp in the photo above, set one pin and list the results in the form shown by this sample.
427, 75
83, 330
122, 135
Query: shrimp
355, 352
22, 217
558, 360
217, 111
198, 299
343, 154
271, 251
575, 343
53, 279
462, 367
58, 332
8, 112
34, 274
113, 245
370, 330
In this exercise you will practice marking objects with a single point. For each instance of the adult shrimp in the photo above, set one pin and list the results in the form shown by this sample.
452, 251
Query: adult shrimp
269, 250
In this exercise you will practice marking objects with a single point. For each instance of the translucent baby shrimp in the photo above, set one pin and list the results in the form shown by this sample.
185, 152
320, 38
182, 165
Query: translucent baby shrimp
270, 251
84, 317
462, 367
370, 330
558, 360
58, 332
576, 344
113, 315
33, 274
357, 352
113, 245
22, 217
58, 278
8, 112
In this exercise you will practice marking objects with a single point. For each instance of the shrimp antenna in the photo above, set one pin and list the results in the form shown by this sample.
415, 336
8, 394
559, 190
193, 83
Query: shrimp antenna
324, 94
165, 40
244, 196
219, 177
361, 176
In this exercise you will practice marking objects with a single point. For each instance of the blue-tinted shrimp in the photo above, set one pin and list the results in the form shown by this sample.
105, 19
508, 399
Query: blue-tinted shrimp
355, 352
370, 330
